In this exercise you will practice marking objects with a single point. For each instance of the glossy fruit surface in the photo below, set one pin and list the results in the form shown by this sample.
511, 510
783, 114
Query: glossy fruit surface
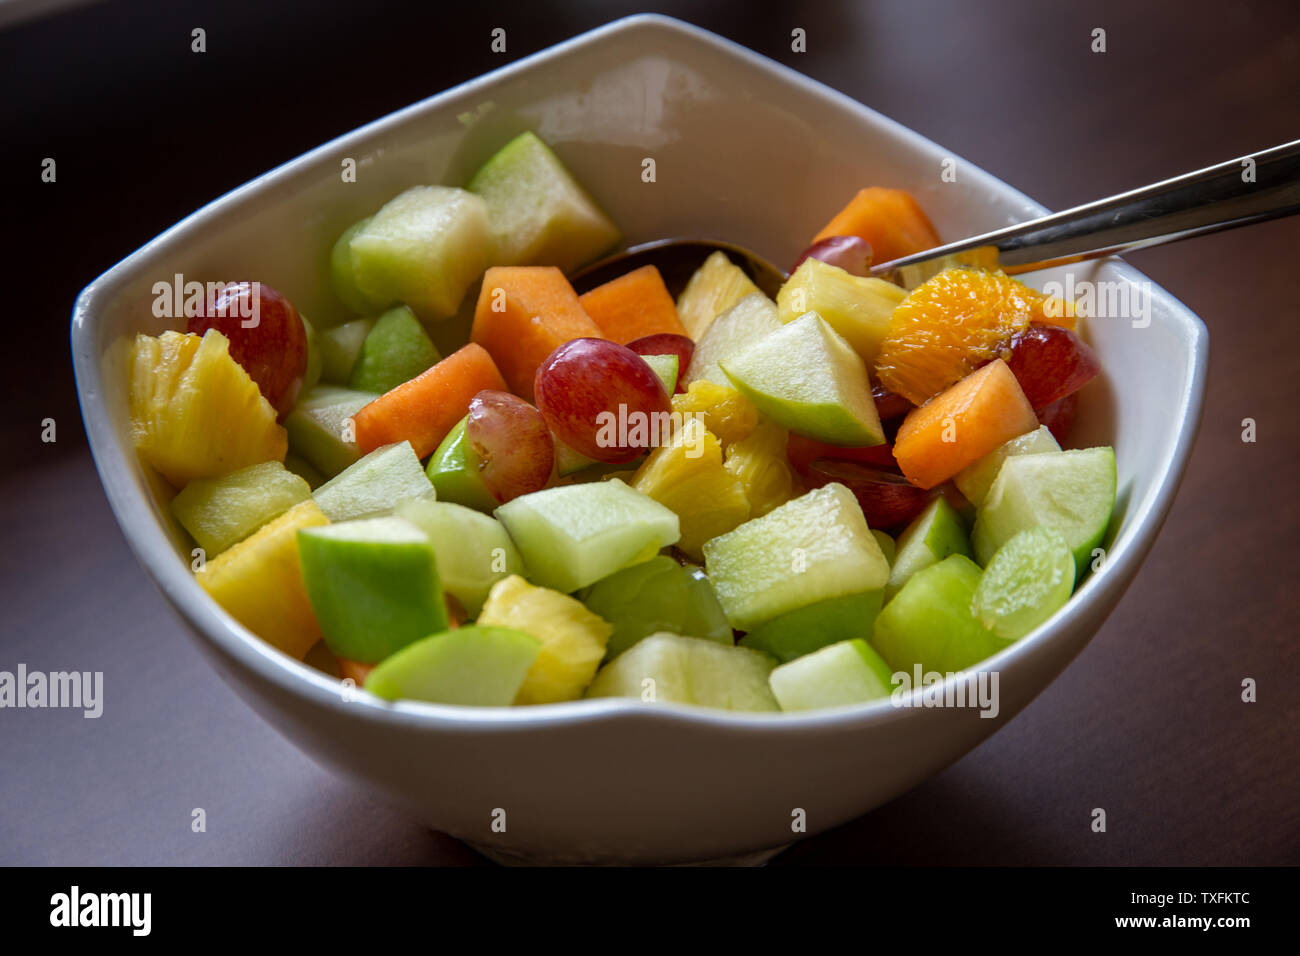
850, 253
665, 343
887, 499
513, 444
1050, 363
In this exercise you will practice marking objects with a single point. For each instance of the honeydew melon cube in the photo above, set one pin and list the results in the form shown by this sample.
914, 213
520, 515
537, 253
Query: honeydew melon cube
848, 672
668, 668
473, 549
475, 666
218, 512
749, 320
320, 430
811, 628
930, 622
340, 347
394, 351
374, 484
935, 533
975, 480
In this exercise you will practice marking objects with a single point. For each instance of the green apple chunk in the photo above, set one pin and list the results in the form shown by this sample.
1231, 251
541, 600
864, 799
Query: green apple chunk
219, 512
574, 535
935, 533
1072, 492
857, 307
539, 214
454, 469
320, 428
424, 248
1029, 579
975, 480
374, 484
340, 348
815, 626
654, 596
473, 550
749, 320
812, 549
806, 377
888, 547
395, 351
930, 622
315, 361
668, 668
848, 672
304, 469
475, 666
343, 274
665, 367
373, 585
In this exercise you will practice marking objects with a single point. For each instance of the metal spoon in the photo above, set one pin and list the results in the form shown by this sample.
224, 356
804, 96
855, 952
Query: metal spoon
1249, 189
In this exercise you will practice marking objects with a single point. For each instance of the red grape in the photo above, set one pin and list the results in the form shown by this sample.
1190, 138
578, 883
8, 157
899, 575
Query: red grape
850, 253
266, 336
514, 445
601, 399
1050, 362
890, 404
1059, 416
667, 343
803, 451
887, 500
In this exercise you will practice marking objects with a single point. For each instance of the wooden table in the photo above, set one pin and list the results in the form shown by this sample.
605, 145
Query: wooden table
1148, 723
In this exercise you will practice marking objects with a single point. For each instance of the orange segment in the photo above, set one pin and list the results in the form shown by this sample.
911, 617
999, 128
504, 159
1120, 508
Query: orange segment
952, 324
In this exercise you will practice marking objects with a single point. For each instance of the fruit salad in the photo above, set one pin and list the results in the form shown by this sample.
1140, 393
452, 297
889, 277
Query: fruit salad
697, 496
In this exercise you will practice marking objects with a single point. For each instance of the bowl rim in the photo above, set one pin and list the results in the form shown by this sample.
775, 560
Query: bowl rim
210, 624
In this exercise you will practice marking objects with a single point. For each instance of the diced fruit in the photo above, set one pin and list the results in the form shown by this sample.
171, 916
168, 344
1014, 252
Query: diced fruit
423, 248
454, 469
887, 545
729, 334
889, 220
665, 369
759, 461
573, 638
315, 362
962, 424
514, 448
474, 666
1029, 579
355, 671
568, 461
666, 668
304, 469
949, 326
602, 400
713, 288
803, 451
1059, 416
849, 672
811, 549
687, 476
573, 535
1051, 362
853, 254
321, 428
473, 550
930, 622
937, 532
1072, 492
806, 377
395, 351
423, 410
807, 629
889, 404
654, 596
374, 484
663, 344
340, 348
887, 500
266, 335
373, 585
975, 479
724, 411
857, 307
539, 212
195, 413
986, 258
525, 313
259, 582
633, 306
344, 275
218, 512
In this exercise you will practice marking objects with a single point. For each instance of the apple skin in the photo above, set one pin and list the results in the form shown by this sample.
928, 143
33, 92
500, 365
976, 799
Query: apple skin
273, 351
1059, 416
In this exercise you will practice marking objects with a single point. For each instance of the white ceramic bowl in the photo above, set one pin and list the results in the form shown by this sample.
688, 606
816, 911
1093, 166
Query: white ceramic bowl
745, 150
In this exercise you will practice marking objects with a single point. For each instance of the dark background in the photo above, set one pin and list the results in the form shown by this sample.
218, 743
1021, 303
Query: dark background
1147, 723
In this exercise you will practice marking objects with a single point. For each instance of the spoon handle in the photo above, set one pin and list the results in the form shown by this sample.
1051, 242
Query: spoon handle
1253, 188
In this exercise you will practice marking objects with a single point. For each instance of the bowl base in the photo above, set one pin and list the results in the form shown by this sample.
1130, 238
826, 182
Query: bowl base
508, 858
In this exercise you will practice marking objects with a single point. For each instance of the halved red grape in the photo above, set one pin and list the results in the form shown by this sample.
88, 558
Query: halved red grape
513, 443
601, 399
850, 253
1059, 416
1050, 362
889, 404
266, 336
667, 343
887, 500
803, 451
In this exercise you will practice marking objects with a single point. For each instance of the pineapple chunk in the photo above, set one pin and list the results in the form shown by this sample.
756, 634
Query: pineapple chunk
687, 477
759, 461
195, 413
726, 413
259, 582
714, 287
573, 639
857, 307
